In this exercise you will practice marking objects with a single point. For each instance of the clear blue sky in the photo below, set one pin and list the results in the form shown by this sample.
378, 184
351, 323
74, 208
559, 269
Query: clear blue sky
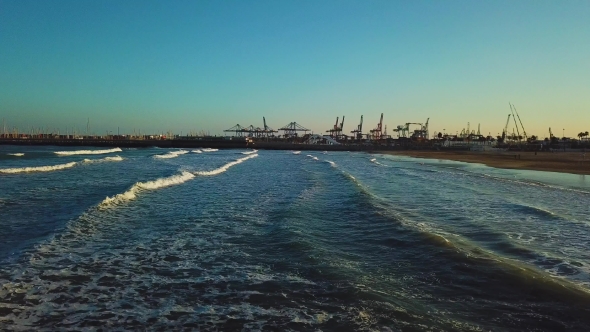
207, 65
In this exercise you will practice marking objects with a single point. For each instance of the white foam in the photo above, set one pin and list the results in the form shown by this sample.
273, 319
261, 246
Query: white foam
115, 158
312, 157
16, 154
197, 151
331, 163
374, 160
69, 153
296, 152
38, 168
225, 167
172, 154
209, 150
149, 185
166, 182
250, 152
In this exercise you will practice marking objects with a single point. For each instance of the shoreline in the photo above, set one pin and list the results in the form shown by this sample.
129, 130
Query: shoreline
561, 162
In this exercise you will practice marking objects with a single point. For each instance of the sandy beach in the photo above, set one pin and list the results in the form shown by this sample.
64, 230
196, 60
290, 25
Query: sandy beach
565, 162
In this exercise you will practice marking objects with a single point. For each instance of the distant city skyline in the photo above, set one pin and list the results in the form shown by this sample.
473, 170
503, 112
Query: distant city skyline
187, 66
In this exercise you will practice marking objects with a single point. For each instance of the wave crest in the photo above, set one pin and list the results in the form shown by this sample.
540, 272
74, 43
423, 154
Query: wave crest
250, 152
16, 154
166, 182
226, 166
172, 154
38, 168
70, 153
148, 185
115, 158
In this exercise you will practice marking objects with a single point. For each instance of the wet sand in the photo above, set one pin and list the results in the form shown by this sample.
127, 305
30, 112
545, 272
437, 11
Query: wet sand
564, 162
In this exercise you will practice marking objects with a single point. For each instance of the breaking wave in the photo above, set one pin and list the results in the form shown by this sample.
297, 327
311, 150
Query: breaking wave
210, 150
374, 160
331, 163
197, 151
16, 154
225, 167
312, 157
70, 153
172, 154
166, 182
296, 152
38, 168
149, 185
115, 158
250, 152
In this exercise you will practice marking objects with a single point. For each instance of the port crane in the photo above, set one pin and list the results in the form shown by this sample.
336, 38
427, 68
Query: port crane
267, 131
291, 129
336, 132
359, 130
377, 132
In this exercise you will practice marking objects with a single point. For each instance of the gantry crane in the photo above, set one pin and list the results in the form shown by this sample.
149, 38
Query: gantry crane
377, 132
359, 130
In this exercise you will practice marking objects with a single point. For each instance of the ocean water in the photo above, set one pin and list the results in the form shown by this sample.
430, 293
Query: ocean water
170, 239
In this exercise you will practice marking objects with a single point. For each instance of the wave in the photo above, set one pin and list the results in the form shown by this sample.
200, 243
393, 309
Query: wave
209, 150
226, 166
38, 168
296, 152
312, 157
16, 154
149, 185
70, 153
331, 163
374, 160
115, 158
172, 154
197, 151
250, 152
166, 182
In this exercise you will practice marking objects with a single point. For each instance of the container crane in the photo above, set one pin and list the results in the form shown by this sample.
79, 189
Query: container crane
359, 130
376, 133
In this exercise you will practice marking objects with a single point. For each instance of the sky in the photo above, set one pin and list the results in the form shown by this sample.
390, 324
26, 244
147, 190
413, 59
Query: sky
182, 66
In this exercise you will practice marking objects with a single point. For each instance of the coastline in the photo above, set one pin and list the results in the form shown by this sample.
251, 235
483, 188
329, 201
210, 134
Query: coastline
562, 162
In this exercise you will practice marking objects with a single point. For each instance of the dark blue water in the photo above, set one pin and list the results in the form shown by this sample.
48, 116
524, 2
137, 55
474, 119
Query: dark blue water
224, 240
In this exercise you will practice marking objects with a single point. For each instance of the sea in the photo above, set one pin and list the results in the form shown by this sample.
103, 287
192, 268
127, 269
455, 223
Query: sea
246, 240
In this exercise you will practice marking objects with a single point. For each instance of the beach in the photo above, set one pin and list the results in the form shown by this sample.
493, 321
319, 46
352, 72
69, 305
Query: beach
564, 162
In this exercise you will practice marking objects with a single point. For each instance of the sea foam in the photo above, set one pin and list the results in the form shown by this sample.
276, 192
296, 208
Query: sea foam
115, 158
149, 185
16, 154
250, 152
70, 153
210, 150
374, 160
38, 168
226, 166
166, 182
172, 154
